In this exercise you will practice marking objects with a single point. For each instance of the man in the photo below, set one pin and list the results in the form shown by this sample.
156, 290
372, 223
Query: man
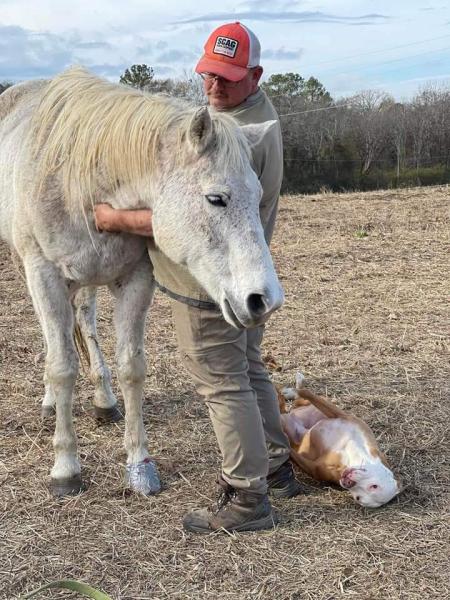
224, 362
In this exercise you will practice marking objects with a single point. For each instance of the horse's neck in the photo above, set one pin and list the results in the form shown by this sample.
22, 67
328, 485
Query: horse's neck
127, 197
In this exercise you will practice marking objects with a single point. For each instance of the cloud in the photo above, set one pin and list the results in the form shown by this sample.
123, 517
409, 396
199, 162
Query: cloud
172, 56
281, 54
261, 5
25, 54
146, 49
112, 72
431, 8
289, 17
93, 45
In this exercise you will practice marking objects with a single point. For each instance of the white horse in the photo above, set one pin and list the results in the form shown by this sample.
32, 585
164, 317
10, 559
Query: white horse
68, 143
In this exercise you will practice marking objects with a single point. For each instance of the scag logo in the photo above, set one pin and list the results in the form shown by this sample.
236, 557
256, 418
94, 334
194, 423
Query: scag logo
225, 46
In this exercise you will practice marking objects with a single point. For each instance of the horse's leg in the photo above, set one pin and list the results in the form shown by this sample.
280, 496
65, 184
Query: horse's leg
48, 406
133, 297
50, 295
105, 403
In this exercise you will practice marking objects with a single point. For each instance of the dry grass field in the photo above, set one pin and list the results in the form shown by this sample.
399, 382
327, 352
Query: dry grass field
366, 319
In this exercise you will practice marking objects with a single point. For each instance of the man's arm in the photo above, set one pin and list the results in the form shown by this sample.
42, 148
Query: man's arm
116, 220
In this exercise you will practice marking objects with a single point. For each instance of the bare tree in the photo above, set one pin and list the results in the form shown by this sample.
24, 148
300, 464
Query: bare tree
419, 128
397, 129
369, 109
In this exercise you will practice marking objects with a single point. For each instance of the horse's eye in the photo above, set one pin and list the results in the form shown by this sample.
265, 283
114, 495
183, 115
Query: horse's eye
217, 199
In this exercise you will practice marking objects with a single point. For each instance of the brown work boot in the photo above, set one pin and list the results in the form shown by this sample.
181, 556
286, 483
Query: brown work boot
282, 482
236, 510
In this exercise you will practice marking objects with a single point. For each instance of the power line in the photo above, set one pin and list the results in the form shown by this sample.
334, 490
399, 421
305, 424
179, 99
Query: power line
323, 62
370, 66
395, 60
304, 112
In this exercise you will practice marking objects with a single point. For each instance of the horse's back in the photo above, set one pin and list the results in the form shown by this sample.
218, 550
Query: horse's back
16, 107
16, 94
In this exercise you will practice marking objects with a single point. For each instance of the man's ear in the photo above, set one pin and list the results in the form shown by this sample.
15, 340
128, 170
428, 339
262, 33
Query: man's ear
256, 75
256, 131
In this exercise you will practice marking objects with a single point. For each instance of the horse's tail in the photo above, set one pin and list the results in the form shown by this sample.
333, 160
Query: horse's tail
80, 345
18, 264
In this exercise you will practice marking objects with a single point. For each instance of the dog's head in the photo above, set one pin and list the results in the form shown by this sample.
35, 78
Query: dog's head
372, 485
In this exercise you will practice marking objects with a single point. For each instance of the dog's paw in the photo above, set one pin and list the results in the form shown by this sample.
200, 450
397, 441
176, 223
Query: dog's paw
299, 380
289, 393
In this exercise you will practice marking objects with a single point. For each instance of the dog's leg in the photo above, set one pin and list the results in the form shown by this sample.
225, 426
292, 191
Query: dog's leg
292, 395
326, 407
307, 465
293, 428
281, 401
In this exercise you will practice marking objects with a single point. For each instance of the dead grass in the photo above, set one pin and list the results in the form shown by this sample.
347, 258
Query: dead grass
366, 318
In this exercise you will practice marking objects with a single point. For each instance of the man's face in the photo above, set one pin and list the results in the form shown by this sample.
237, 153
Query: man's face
223, 94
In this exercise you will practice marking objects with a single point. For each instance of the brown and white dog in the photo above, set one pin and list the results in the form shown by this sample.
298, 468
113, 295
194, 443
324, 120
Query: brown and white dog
332, 445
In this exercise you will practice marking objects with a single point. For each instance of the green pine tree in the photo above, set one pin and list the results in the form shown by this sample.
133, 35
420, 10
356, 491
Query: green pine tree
138, 76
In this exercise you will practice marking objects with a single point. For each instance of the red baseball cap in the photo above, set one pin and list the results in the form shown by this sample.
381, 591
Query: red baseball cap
230, 51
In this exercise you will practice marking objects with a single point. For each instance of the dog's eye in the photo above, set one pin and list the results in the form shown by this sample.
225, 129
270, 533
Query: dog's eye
373, 486
217, 199
358, 498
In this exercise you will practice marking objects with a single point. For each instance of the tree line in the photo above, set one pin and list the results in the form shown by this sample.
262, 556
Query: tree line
362, 142
365, 141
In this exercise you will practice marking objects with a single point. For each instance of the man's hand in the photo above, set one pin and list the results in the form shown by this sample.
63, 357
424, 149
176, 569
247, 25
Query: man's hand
116, 220
107, 218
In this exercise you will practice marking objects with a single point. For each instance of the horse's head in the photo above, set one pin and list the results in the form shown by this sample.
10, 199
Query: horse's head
206, 217
192, 169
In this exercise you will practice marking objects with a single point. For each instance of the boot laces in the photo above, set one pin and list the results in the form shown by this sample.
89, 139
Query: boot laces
226, 495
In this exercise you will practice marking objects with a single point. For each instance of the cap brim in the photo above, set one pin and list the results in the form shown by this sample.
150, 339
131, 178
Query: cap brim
223, 69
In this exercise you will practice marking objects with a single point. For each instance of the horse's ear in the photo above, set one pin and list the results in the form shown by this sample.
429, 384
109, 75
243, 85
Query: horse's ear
200, 129
256, 131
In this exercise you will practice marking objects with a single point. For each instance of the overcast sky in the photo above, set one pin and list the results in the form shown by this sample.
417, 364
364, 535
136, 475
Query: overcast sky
396, 45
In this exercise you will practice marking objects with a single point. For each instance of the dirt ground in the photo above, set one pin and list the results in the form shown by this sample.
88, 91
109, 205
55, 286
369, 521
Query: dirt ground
366, 319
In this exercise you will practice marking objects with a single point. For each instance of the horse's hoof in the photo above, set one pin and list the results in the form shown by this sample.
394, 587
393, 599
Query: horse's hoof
66, 486
47, 411
108, 415
143, 478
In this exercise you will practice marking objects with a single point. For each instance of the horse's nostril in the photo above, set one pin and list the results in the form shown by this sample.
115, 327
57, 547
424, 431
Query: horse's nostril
256, 305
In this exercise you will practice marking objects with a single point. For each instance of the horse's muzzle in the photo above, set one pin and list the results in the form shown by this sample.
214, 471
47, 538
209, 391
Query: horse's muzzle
254, 311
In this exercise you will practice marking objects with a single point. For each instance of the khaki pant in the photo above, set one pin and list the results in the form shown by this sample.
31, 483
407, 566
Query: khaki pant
228, 372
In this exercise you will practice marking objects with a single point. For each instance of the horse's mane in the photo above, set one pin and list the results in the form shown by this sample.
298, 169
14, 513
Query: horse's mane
85, 126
